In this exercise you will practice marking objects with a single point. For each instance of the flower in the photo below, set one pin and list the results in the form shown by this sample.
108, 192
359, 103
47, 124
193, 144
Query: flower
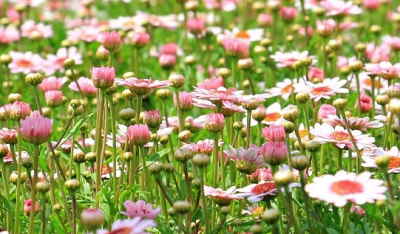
274, 133
357, 123
152, 118
83, 85
9, 34
196, 25
185, 101
56, 62
17, 110
220, 196
143, 86
33, 30
236, 47
257, 192
8, 136
52, 83
273, 114
288, 13
247, 160
383, 69
29, 206
339, 8
139, 38
326, 110
167, 60
393, 154
110, 40
25, 62
138, 134
92, 217
261, 174
283, 89
140, 209
323, 90
215, 122
289, 59
103, 77
35, 128
274, 152
344, 187
339, 136
129, 226
54, 97
365, 103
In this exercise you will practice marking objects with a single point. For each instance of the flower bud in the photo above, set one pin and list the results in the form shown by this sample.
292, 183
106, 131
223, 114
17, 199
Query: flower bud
177, 80
271, 215
382, 161
201, 160
13, 97
127, 113
283, 177
340, 103
394, 106
92, 218
72, 184
42, 186
34, 78
300, 162
302, 97
382, 99
182, 207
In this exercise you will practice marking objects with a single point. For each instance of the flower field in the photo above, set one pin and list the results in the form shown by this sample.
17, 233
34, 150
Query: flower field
199, 116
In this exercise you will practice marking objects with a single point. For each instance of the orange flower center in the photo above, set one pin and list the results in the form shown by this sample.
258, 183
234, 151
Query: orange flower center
340, 136
24, 63
346, 187
243, 35
394, 162
303, 133
263, 188
272, 116
377, 84
321, 90
287, 89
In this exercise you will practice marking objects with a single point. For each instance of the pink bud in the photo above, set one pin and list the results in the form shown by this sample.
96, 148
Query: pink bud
138, 134
111, 40
196, 25
316, 74
185, 101
274, 133
54, 97
152, 118
167, 60
236, 47
103, 77
36, 129
274, 152
326, 110
30, 207
371, 4
170, 48
215, 122
141, 38
365, 103
264, 19
288, 13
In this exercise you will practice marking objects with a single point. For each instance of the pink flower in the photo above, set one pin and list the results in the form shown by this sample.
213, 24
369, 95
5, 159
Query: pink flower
143, 86
54, 97
103, 77
140, 38
316, 74
170, 49
205, 147
17, 110
92, 217
8, 136
167, 60
212, 83
384, 69
264, 19
56, 61
52, 83
326, 27
25, 62
152, 118
393, 42
35, 128
274, 133
325, 111
140, 209
30, 207
83, 85
262, 174
129, 226
222, 197
371, 4
138, 134
33, 30
185, 101
8, 35
111, 40
288, 13
236, 47
274, 152
365, 103
377, 54
196, 25
215, 122
339, 7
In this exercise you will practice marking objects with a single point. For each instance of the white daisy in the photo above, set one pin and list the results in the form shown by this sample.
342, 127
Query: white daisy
323, 90
393, 154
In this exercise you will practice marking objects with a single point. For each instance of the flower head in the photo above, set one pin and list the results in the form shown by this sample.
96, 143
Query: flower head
103, 77
140, 209
36, 129
138, 134
344, 187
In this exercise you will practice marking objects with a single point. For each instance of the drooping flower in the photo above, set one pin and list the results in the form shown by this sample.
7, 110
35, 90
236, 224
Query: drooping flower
393, 154
344, 187
215, 122
143, 86
274, 133
52, 83
220, 196
83, 85
138, 134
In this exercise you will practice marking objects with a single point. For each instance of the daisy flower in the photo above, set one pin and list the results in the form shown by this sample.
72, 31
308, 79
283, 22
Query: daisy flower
84, 85
340, 136
383, 69
25, 62
143, 86
32, 30
339, 8
220, 196
323, 90
344, 187
246, 160
57, 60
130, 226
367, 84
283, 89
273, 114
362, 124
393, 154
288, 59
8, 35
257, 192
